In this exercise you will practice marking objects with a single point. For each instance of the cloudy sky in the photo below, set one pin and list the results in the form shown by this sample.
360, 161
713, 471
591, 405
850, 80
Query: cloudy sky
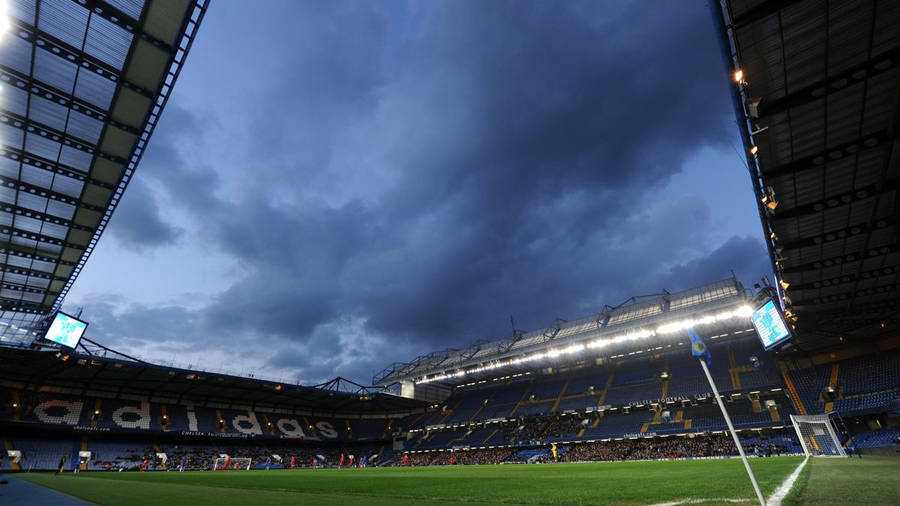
335, 186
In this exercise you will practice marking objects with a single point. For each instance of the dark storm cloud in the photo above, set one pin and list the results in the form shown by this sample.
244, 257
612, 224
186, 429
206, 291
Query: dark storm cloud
137, 224
745, 256
503, 166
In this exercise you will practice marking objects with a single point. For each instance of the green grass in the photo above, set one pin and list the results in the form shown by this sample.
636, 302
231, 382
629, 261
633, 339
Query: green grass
600, 483
871, 480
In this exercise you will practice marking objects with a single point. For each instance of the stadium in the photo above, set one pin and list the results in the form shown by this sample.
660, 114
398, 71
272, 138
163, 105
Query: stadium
786, 391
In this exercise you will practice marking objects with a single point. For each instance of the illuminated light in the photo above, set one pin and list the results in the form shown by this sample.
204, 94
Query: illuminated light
771, 204
743, 311
739, 76
754, 150
882, 324
784, 284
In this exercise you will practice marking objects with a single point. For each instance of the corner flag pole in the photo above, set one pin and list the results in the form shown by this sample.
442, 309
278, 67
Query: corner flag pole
737, 442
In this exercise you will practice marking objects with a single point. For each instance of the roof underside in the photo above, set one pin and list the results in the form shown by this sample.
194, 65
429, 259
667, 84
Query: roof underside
87, 375
828, 76
84, 83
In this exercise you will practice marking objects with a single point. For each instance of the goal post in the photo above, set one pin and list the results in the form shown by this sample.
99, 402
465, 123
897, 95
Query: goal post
817, 435
233, 464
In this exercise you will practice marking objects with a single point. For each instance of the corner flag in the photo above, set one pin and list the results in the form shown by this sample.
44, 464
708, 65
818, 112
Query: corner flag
698, 347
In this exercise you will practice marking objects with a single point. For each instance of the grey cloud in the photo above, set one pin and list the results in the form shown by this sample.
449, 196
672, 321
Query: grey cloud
502, 166
137, 223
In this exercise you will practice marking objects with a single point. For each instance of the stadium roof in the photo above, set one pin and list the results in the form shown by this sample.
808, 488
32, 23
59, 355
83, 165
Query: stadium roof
81, 374
638, 324
84, 83
819, 107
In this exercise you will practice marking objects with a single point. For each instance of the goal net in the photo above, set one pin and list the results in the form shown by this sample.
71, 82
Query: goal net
817, 435
232, 464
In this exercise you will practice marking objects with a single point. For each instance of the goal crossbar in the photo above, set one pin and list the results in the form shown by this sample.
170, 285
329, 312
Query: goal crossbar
817, 435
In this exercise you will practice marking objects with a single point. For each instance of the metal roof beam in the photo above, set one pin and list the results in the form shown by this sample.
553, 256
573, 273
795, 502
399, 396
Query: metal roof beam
865, 310
11, 249
17, 232
21, 306
44, 40
31, 126
47, 193
837, 201
836, 260
19, 288
119, 18
43, 163
849, 295
15, 269
839, 235
46, 218
817, 160
893, 132
32, 85
848, 278
872, 67
761, 11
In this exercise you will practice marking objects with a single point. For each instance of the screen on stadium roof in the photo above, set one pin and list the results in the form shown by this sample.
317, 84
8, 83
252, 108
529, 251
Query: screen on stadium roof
770, 325
65, 330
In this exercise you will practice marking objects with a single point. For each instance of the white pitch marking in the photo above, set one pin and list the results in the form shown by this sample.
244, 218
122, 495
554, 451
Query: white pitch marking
699, 501
777, 496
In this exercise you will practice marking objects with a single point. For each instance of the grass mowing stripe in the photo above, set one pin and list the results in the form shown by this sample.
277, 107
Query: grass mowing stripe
97, 490
870, 481
793, 496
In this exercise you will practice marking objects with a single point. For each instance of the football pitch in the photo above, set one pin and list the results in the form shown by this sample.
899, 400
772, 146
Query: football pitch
872, 480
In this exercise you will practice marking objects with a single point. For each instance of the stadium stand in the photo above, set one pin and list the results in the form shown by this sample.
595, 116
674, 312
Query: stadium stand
876, 438
646, 403
626, 409
860, 385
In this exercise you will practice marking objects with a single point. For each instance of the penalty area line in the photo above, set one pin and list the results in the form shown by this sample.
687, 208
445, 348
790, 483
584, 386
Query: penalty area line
780, 493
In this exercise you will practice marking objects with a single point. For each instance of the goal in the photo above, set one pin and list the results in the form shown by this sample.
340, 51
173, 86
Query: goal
234, 464
817, 435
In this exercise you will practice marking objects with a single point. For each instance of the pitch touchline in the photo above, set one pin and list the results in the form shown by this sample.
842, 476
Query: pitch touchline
778, 495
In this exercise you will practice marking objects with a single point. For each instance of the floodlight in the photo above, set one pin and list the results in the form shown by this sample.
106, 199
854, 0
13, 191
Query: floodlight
739, 76
754, 150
